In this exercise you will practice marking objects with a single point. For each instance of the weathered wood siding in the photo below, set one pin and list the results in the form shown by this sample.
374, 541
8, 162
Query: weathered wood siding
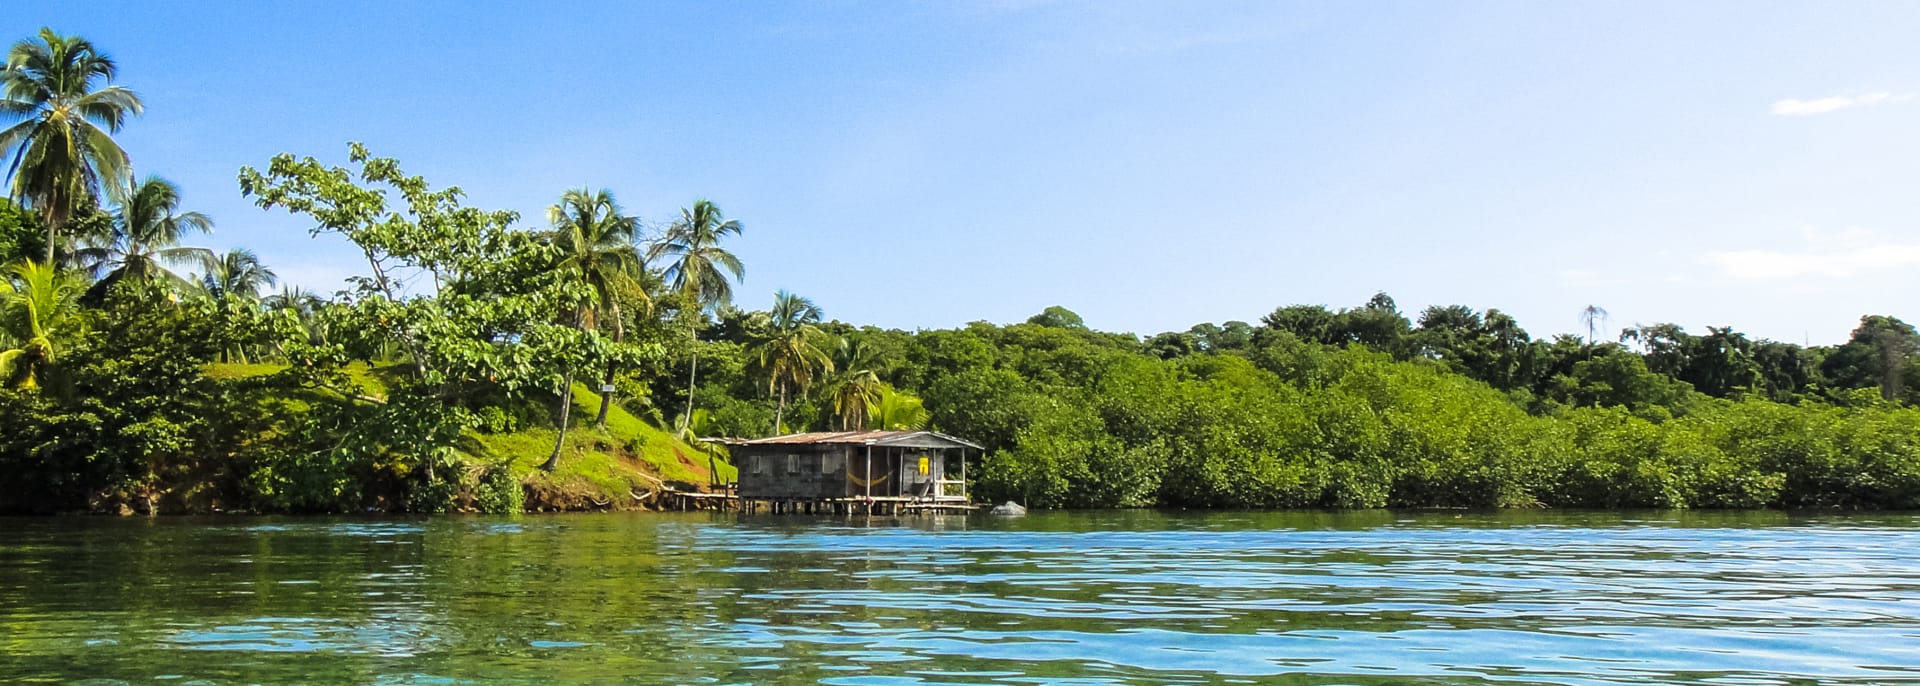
914, 481
807, 472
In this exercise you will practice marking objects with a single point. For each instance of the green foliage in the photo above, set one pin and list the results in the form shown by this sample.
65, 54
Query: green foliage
893, 410
1059, 318
142, 240
39, 315
60, 152
499, 492
21, 235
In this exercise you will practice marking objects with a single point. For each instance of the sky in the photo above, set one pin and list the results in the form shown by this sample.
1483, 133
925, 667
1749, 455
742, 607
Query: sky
1148, 165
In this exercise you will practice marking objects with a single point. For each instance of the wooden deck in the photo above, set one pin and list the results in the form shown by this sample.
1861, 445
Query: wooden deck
725, 502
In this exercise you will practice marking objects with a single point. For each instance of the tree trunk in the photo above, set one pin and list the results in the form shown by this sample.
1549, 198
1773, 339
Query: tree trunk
693, 368
566, 411
51, 226
606, 396
780, 410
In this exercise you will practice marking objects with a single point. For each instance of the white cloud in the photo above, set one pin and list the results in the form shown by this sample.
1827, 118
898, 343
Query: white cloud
1799, 108
1827, 254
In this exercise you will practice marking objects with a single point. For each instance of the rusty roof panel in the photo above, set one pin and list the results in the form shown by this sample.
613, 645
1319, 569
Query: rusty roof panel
910, 439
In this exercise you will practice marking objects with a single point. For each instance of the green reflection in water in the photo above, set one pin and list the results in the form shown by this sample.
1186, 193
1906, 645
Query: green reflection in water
1103, 597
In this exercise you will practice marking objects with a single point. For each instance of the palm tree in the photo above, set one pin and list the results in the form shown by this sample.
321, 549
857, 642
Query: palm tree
696, 271
62, 150
240, 274
700, 425
299, 300
235, 281
145, 238
792, 353
596, 243
857, 385
1594, 316
899, 411
305, 306
37, 303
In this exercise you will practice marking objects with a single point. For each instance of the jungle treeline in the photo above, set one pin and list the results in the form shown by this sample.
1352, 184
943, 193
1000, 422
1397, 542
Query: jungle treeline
479, 356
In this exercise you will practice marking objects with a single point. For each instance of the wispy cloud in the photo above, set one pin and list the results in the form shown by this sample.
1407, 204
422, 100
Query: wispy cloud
1827, 254
1791, 107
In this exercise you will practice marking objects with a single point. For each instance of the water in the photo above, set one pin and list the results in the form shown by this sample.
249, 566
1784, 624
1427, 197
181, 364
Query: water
1079, 598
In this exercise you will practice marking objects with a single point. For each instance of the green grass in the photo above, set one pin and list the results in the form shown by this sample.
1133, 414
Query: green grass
234, 371
612, 461
371, 380
629, 455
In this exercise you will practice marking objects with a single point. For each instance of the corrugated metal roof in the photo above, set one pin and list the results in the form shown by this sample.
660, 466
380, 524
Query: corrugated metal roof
910, 439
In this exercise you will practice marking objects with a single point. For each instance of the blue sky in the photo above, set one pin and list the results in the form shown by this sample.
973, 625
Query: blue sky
1148, 165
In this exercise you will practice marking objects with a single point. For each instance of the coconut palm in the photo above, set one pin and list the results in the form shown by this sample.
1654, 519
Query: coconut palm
305, 306
37, 304
62, 149
299, 300
1594, 316
696, 271
597, 249
238, 274
700, 426
898, 411
857, 384
144, 238
793, 352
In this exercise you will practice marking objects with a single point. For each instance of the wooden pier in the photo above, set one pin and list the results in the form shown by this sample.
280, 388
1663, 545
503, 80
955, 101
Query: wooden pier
877, 505
693, 501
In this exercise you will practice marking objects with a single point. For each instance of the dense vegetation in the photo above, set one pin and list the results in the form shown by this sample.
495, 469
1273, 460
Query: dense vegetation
143, 375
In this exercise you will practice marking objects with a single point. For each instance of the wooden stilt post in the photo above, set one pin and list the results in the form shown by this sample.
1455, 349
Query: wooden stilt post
964, 500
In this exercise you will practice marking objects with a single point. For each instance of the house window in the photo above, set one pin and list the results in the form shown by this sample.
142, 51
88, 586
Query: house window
793, 464
759, 464
831, 463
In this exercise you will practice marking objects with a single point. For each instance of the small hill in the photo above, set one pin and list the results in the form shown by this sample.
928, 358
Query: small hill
617, 467
612, 468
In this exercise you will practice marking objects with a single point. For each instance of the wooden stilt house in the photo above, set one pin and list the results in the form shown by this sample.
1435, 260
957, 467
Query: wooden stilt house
824, 471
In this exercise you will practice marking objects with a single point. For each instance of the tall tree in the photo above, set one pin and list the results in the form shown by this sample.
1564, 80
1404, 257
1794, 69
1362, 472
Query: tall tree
1594, 317
696, 271
596, 243
63, 152
37, 305
1377, 324
238, 274
1877, 354
793, 353
496, 321
1311, 323
144, 238
235, 281
856, 384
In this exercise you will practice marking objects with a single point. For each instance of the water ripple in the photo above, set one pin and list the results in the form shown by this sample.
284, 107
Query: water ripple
1572, 598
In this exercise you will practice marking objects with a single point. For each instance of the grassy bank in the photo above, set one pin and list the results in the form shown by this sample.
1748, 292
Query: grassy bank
613, 467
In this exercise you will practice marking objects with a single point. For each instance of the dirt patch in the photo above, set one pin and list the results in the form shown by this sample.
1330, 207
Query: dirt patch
699, 469
546, 494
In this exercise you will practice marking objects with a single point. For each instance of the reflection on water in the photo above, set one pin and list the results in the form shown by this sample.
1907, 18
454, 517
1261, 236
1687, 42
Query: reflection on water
1128, 597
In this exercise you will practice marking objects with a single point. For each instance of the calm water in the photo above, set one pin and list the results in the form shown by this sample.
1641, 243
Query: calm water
1138, 597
